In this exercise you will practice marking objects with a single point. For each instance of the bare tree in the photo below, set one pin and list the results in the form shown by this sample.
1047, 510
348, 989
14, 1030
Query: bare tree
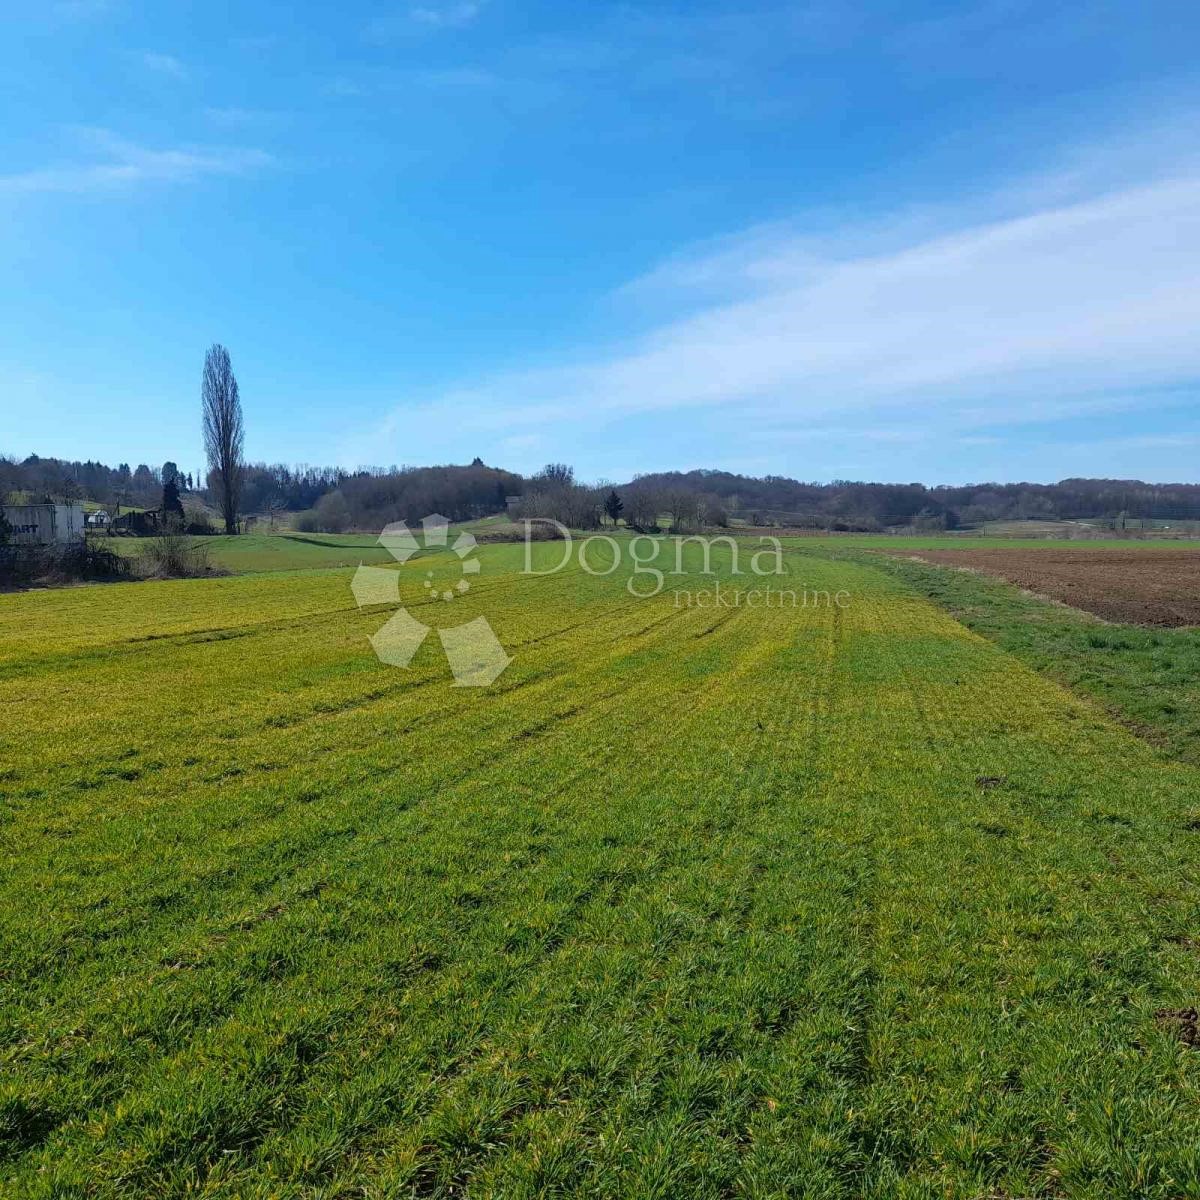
555, 475
223, 431
642, 506
681, 504
274, 505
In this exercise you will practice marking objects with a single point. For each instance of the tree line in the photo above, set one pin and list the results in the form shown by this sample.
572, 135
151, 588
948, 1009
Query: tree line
713, 497
334, 500
371, 498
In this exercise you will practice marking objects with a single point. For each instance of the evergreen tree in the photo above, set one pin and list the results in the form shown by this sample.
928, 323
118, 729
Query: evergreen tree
172, 506
613, 506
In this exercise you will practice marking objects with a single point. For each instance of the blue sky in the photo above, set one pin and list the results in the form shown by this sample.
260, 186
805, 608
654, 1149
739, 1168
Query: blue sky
935, 241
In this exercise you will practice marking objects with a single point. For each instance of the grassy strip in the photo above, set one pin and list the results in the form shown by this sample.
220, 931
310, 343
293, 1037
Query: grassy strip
1149, 679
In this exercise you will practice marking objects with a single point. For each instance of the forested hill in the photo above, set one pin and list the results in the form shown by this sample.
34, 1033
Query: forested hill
368, 498
778, 498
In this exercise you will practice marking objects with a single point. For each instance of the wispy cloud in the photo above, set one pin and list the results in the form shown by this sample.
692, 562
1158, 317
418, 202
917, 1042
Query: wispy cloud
446, 14
385, 82
233, 117
258, 43
431, 15
980, 324
343, 87
81, 10
120, 163
454, 77
164, 64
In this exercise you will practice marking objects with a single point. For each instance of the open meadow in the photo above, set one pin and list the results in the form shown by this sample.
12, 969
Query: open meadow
833, 899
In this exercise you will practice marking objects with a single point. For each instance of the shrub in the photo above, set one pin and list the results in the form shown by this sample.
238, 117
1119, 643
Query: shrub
78, 562
515, 532
332, 513
175, 555
198, 521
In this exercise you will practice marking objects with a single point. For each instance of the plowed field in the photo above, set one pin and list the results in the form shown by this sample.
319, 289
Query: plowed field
1146, 586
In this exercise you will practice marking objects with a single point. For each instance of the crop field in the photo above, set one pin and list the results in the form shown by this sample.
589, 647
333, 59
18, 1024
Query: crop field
1161, 587
1147, 677
289, 550
286, 551
696, 900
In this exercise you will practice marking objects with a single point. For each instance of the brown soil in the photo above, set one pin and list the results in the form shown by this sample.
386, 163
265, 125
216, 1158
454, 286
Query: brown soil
1181, 1022
1147, 587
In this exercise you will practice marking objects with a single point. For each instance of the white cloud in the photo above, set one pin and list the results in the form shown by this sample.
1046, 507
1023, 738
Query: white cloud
453, 77
389, 82
164, 64
81, 10
1175, 440
124, 164
445, 14
258, 43
341, 86
989, 324
431, 15
233, 117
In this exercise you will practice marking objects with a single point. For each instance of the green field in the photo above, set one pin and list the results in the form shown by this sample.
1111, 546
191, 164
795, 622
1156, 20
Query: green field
1149, 678
825, 901
285, 551
288, 550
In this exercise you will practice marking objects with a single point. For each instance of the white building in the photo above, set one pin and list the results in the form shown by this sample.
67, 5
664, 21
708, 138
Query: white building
44, 524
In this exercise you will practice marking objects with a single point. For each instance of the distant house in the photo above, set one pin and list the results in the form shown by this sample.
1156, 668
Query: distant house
44, 524
98, 519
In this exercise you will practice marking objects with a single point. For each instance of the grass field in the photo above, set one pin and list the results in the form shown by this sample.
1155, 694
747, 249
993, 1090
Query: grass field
290, 551
693, 902
284, 551
1148, 678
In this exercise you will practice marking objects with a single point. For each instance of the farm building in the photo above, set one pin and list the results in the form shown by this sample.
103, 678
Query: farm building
98, 519
143, 524
44, 524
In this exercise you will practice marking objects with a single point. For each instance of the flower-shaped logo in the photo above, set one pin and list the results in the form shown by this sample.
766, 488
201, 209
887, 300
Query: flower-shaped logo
472, 649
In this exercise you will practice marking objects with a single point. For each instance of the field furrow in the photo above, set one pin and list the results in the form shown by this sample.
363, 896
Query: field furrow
822, 900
